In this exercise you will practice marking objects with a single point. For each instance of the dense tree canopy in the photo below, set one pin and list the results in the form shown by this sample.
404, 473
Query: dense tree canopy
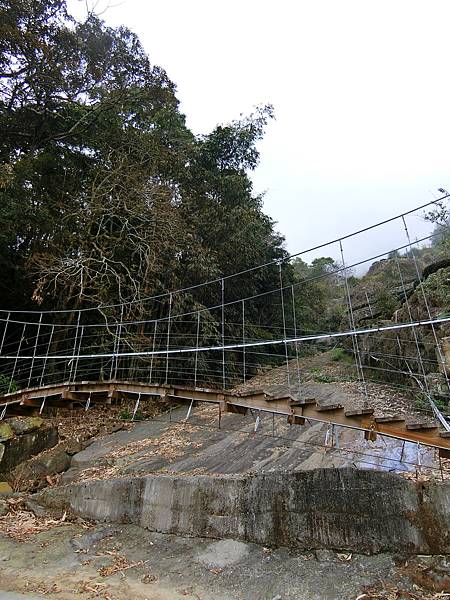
105, 195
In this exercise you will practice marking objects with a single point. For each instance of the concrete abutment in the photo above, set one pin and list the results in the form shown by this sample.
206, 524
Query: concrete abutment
340, 509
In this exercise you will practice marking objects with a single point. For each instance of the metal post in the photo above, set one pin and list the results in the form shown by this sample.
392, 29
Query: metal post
327, 436
284, 327
46, 356
22, 337
136, 406
4, 332
359, 367
403, 450
78, 354
42, 405
243, 339
189, 410
196, 349
34, 351
74, 346
168, 339
295, 336
153, 352
119, 330
419, 457
223, 334
257, 421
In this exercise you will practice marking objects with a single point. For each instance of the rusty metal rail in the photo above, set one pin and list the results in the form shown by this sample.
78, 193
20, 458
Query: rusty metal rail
296, 410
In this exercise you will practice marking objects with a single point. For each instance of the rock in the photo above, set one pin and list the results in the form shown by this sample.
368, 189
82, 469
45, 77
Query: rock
437, 384
73, 447
2, 451
22, 425
323, 555
5, 489
22, 447
36, 509
84, 542
114, 428
55, 461
3, 507
6, 432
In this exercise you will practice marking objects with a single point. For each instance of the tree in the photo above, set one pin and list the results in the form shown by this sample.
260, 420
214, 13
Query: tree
106, 197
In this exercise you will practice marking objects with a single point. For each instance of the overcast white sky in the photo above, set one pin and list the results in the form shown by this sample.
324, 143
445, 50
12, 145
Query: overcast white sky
361, 96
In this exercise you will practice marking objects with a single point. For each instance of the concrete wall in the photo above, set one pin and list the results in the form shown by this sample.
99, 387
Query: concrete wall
362, 511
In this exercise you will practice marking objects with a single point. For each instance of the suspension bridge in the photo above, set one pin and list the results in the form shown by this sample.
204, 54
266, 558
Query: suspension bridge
185, 350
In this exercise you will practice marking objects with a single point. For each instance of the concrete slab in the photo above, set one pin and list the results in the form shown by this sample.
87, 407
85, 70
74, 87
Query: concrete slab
199, 446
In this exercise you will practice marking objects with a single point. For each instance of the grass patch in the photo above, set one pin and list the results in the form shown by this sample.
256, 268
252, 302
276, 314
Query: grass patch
127, 415
340, 355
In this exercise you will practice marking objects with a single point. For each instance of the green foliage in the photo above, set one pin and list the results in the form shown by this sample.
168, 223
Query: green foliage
340, 355
324, 378
319, 289
138, 416
127, 415
386, 302
437, 289
7, 384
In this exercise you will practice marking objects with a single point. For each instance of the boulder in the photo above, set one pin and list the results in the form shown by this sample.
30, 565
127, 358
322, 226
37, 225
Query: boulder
35, 470
5, 489
22, 447
6, 432
22, 425
55, 461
